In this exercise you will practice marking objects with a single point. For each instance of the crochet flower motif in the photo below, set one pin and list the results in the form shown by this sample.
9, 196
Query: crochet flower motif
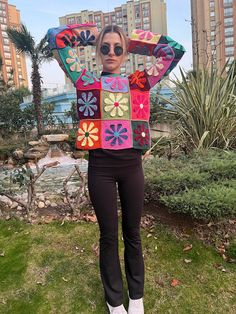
69, 40
142, 136
89, 78
155, 68
87, 134
73, 61
144, 35
116, 104
141, 50
140, 106
85, 39
116, 134
87, 101
116, 82
138, 78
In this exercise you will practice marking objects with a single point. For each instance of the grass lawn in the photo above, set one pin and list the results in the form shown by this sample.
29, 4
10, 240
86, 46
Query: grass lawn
53, 268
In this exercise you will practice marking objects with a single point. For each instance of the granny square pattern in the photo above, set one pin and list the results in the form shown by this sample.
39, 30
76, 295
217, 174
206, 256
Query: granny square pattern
115, 105
113, 110
116, 134
88, 104
141, 134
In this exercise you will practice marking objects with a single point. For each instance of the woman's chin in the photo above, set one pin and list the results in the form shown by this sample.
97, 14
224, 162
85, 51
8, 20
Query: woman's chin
111, 68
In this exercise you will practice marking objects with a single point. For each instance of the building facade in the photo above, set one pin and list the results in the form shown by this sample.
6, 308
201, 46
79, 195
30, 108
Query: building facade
214, 32
13, 63
134, 14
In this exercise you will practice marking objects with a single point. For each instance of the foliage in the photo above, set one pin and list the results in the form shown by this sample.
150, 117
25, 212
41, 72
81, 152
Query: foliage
38, 53
206, 108
206, 179
214, 200
11, 118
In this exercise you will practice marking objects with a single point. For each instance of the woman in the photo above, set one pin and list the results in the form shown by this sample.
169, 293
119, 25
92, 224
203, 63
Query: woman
114, 112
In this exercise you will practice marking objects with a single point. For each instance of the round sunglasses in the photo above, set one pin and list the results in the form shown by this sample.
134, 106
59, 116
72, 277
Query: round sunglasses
105, 49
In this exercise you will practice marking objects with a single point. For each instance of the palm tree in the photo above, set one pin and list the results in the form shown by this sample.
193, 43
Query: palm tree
38, 53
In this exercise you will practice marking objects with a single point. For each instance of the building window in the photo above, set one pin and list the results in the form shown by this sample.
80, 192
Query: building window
7, 55
212, 4
228, 1
71, 20
4, 34
228, 21
8, 62
3, 26
6, 48
90, 17
212, 13
229, 31
228, 11
229, 41
229, 51
6, 41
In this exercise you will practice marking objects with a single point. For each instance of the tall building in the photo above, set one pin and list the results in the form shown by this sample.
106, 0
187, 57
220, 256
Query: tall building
214, 32
10, 17
134, 14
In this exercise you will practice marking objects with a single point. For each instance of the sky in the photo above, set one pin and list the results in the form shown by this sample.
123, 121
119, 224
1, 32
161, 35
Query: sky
41, 15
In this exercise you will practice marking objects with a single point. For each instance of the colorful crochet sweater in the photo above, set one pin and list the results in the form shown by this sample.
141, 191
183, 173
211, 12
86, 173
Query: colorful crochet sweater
113, 111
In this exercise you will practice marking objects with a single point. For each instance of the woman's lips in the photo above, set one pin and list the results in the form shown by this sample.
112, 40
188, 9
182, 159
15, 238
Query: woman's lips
110, 60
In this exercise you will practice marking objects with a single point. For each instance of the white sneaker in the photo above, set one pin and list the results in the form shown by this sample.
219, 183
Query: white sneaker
136, 306
117, 309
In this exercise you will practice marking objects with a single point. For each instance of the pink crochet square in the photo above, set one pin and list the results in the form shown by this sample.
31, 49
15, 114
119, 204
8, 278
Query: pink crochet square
116, 134
140, 103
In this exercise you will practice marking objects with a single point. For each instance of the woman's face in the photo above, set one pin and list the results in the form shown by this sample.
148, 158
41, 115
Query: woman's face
111, 62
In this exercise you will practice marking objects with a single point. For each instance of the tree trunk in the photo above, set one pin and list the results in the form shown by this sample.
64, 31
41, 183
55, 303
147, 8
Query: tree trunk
36, 85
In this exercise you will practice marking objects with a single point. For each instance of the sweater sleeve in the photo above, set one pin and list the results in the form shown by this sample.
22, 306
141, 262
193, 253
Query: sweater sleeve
167, 52
63, 41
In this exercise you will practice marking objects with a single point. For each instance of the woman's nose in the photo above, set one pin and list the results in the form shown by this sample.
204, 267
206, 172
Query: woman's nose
111, 52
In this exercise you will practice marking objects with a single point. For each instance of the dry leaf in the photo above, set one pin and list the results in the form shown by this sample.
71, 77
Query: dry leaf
232, 222
92, 218
2, 253
175, 282
187, 261
63, 278
149, 235
187, 247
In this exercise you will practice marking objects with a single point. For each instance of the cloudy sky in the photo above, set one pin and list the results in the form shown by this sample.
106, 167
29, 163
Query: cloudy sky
38, 16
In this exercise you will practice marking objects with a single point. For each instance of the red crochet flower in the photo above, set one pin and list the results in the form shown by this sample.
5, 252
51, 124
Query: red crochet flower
142, 135
138, 78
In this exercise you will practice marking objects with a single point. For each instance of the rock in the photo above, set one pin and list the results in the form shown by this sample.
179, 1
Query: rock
34, 155
14, 205
19, 207
18, 154
8, 217
55, 137
41, 204
41, 198
10, 161
53, 204
38, 143
47, 203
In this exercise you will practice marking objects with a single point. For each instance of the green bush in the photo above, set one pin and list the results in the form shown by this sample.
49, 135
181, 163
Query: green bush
215, 200
202, 185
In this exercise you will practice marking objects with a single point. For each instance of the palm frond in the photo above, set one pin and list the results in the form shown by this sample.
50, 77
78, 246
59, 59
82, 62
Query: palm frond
22, 39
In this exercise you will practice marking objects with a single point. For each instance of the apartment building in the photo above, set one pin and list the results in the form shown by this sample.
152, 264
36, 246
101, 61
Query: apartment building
134, 14
214, 32
11, 60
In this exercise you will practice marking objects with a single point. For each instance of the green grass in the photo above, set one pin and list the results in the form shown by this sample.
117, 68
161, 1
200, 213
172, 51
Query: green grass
52, 268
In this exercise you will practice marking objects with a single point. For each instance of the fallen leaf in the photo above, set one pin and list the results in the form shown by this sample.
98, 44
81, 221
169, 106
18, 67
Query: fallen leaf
63, 278
2, 254
187, 261
188, 247
92, 218
175, 282
232, 222
149, 235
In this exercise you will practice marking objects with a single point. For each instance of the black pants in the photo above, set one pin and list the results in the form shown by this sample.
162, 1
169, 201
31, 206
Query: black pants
102, 183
